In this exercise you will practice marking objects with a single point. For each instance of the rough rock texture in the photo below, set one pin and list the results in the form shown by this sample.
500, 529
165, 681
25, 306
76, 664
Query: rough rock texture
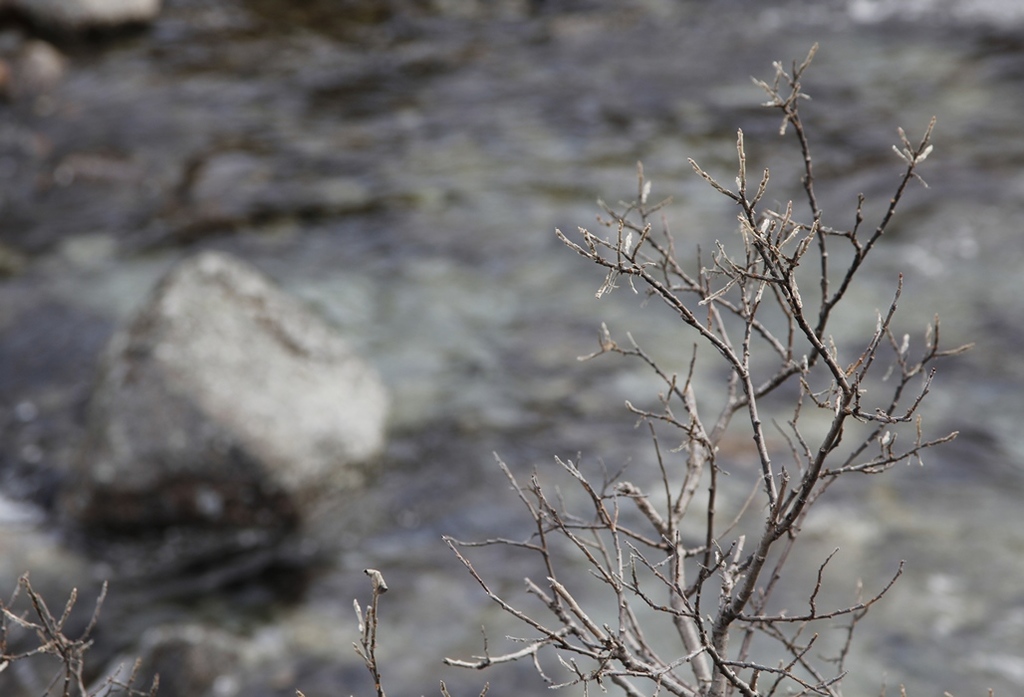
226, 402
78, 15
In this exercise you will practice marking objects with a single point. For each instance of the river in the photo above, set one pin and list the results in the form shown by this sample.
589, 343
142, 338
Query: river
403, 169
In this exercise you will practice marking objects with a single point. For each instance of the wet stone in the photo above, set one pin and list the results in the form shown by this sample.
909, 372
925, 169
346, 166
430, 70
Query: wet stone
79, 15
223, 403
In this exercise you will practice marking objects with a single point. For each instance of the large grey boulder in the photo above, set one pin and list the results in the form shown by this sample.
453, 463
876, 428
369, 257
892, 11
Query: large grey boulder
225, 402
79, 15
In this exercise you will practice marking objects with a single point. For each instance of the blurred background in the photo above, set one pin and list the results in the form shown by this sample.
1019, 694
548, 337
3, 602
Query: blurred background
400, 166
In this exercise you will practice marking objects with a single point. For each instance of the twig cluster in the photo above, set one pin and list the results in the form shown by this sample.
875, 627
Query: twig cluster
366, 649
51, 640
751, 304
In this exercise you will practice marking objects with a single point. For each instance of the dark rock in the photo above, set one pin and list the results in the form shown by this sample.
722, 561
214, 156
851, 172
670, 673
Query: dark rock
12, 262
234, 188
223, 403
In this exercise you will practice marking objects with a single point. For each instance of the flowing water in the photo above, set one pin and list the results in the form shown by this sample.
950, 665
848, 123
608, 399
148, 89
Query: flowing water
404, 171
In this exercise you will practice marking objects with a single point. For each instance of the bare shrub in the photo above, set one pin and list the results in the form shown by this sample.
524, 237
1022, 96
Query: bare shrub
27, 614
764, 301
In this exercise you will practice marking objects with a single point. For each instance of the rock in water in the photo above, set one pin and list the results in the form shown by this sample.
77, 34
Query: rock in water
224, 402
79, 15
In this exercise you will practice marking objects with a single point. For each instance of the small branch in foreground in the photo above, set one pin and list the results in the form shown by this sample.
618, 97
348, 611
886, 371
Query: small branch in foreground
52, 640
366, 649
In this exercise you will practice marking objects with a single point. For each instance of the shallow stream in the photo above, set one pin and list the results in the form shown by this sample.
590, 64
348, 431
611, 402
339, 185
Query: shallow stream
404, 173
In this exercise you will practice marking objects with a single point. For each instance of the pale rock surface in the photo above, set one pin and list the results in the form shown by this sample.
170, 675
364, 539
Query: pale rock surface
226, 402
78, 15
38, 69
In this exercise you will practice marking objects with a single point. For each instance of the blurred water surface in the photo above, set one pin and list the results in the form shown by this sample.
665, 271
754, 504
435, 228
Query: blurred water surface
403, 169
